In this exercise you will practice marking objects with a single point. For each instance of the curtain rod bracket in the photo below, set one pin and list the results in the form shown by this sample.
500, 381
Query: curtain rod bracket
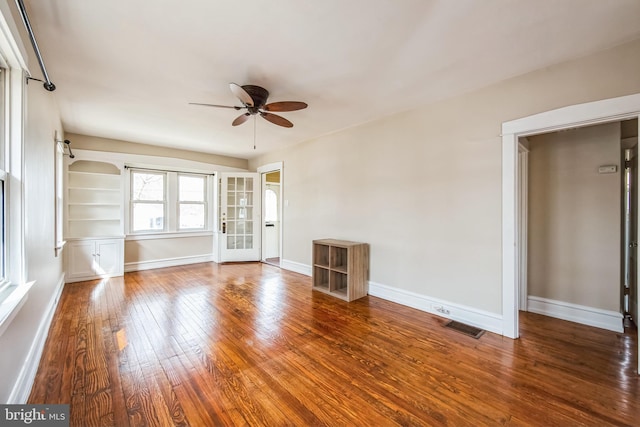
66, 148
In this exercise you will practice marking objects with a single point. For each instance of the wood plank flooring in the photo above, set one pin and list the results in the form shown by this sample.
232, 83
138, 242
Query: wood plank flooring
250, 344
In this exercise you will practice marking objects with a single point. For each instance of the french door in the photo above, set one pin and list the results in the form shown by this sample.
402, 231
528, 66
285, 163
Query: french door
239, 216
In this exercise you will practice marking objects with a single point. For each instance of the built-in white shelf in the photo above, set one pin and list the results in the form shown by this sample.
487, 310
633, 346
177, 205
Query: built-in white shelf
94, 220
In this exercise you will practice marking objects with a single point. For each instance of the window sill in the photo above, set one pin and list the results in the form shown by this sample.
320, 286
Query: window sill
12, 298
168, 235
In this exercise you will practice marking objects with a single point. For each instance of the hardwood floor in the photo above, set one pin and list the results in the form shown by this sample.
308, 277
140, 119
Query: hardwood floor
250, 344
273, 261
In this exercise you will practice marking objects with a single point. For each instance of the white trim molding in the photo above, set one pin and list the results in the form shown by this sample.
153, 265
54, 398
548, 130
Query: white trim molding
590, 113
24, 383
296, 267
11, 305
167, 262
605, 319
472, 316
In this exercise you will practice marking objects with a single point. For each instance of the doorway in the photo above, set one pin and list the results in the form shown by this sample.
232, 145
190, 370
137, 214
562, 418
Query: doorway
608, 110
271, 226
570, 202
629, 282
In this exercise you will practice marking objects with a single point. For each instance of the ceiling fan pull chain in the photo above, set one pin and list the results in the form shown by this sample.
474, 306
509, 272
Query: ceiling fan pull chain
254, 132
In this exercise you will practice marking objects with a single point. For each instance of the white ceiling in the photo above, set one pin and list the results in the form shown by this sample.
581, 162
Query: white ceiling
127, 69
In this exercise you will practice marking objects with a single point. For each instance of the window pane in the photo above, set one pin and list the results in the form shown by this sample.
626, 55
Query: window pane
148, 216
191, 188
234, 242
270, 206
147, 186
191, 216
2, 223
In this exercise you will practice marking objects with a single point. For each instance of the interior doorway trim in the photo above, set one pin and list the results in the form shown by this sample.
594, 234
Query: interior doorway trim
272, 167
591, 113
523, 221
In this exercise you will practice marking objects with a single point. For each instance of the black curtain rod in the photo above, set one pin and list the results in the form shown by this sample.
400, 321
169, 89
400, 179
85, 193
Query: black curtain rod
167, 170
48, 85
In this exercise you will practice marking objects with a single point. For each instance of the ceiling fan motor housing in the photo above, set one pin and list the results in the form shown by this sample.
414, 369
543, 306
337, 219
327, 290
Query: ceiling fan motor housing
259, 96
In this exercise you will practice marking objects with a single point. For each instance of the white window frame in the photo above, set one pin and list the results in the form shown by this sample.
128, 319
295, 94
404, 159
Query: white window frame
172, 205
4, 151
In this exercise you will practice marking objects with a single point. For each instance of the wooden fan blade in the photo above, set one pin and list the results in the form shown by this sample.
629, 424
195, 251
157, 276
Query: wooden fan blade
216, 105
241, 94
285, 106
277, 120
241, 119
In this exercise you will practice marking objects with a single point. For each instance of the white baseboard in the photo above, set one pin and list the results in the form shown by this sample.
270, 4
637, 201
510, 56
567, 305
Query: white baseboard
296, 267
167, 262
472, 316
24, 383
605, 319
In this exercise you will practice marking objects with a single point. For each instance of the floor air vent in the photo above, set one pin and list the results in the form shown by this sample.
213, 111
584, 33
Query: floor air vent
471, 331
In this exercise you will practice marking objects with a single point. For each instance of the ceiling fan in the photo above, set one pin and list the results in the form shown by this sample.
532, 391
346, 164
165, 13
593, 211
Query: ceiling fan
254, 100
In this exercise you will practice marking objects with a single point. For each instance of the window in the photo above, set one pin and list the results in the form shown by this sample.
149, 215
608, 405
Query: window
270, 206
191, 202
13, 284
3, 273
148, 201
3, 175
164, 201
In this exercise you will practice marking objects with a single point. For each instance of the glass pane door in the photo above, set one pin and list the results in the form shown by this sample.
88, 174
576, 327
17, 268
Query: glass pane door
239, 217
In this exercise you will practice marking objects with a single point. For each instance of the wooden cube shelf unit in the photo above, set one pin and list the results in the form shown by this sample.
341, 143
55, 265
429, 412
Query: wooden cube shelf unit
341, 268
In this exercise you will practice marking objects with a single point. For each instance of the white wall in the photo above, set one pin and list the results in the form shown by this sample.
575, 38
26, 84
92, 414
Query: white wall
424, 187
166, 249
94, 143
19, 343
574, 217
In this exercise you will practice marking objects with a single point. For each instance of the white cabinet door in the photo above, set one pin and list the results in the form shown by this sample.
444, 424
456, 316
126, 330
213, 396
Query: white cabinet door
80, 259
109, 257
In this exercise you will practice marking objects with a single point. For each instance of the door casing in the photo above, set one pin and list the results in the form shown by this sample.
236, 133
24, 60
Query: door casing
591, 113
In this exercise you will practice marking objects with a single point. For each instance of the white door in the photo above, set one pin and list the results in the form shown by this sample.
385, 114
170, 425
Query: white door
271, 237
239, 217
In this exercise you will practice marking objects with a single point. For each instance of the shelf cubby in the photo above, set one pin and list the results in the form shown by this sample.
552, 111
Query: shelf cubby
321, 255
322, 277
339, 281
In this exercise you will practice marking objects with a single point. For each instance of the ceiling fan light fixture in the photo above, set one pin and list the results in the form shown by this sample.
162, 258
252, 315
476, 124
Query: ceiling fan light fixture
254, 100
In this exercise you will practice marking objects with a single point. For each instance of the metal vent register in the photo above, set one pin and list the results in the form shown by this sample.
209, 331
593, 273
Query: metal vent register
469, 330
